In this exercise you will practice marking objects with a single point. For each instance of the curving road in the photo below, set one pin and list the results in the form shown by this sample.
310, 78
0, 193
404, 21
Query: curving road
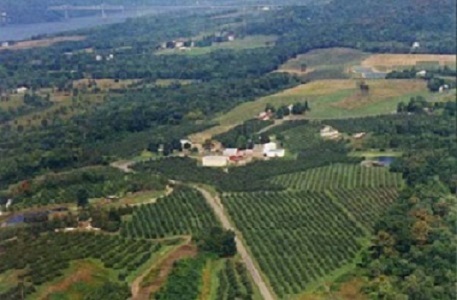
216, 205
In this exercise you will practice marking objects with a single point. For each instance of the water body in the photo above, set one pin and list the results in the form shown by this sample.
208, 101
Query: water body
18, 32
384, 160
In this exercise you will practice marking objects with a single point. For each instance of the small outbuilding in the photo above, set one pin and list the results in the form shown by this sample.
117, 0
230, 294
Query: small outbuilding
329, 132
214, 161
271, 146
275, 153
229, 152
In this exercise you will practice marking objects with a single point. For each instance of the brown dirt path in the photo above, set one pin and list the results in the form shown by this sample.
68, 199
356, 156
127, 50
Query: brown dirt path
216, 205
164, 267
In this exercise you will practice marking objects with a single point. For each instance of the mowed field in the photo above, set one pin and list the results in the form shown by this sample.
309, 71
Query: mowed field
387, 62
332, 99
333, 63
43, 42
249, 42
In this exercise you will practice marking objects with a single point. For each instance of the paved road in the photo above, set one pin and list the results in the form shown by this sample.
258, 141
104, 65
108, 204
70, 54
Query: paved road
216, 205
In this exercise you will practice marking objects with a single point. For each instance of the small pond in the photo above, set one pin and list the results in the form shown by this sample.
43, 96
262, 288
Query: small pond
384, 160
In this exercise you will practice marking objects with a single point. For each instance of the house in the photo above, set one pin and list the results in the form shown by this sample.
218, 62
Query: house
421, 73
275, 153
179, 44
21, 90
415, 45
329, 132
110, 57
271, 146
266, 8
265, 115
8, 203
229, 152
98, 57
231, 37
214, 161
359, 135
185, 142
443, 88
5, 44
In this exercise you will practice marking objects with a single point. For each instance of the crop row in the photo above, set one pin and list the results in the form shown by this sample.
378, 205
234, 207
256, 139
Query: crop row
234, 282
185, 211
46, 257
296, 237
366, 205
340, 176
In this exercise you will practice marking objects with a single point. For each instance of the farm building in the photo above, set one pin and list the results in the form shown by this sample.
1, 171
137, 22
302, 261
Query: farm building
229, 152
359, 135
214, 161
184, 142
275, 153
269, 147
329, 132
21, 90
421, 73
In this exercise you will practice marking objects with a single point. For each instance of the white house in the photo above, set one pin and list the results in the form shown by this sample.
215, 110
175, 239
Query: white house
21, 90
5, 44
9, 203
329, 132
214, 161
269, 147
276, 153
98, 57
231, 152
184, 142
421, 73
415, 45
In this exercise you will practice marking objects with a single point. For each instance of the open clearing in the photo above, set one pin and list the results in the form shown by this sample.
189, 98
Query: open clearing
249, 42
385, 62
332, 63
331, 99
328, 99
43, 42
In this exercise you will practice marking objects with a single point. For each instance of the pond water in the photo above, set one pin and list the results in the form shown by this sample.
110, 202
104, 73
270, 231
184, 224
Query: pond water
384, 160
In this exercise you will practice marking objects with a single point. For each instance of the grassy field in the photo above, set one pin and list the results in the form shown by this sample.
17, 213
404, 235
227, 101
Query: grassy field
43, 42
249, 42
83, 277
331, 99
386, 62
333, 63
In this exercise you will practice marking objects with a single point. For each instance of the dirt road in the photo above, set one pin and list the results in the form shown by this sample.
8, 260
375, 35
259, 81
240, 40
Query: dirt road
164, 267
216, 205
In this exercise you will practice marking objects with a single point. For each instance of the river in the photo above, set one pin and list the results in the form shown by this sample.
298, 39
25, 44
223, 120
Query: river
17, 32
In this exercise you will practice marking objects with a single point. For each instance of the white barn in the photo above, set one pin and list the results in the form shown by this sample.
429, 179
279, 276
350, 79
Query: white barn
214, 161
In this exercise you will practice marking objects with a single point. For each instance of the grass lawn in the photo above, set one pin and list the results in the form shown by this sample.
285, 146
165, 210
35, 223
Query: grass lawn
8, 280
386, 62
81, 278
249, 42
376, 153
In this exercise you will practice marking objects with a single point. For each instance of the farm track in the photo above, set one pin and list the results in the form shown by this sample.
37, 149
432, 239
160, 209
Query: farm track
165, 265
218, 209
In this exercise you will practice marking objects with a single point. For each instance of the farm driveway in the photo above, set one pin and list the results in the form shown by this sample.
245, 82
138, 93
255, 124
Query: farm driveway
216, 205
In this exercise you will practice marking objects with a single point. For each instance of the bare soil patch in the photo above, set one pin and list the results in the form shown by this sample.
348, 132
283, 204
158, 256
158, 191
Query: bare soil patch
390, 61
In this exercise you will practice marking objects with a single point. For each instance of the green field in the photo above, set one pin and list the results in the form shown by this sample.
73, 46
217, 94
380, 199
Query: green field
333, 63
340, 176
185, 211
333, 99
248, 42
